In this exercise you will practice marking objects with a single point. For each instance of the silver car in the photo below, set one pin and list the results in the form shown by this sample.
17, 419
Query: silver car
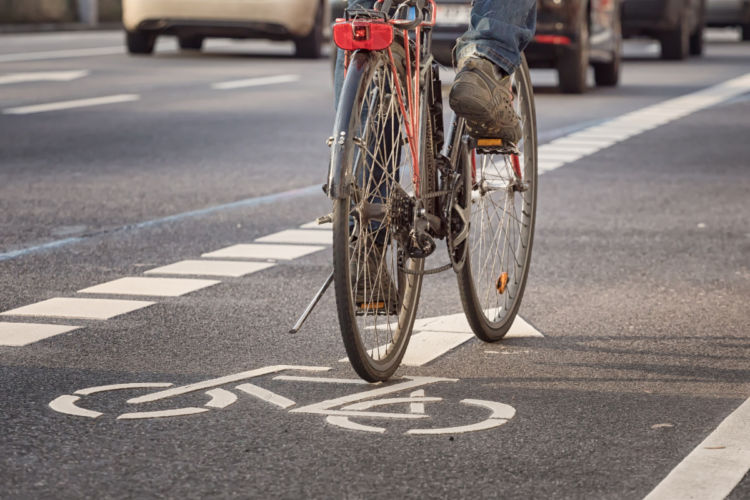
720, 13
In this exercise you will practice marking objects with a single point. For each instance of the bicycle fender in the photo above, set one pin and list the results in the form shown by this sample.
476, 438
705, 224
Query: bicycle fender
345, 126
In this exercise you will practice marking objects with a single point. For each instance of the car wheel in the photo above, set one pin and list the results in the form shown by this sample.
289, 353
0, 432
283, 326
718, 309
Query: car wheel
608, 74
746, 33
139, 42
573, 66
696, 42
309, 47
191, 42
675, 45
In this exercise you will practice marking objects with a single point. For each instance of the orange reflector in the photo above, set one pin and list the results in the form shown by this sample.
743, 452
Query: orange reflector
502, 283
373, 305
489, 142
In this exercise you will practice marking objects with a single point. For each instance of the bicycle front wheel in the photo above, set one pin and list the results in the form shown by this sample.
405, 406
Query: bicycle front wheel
503, 212
376, 300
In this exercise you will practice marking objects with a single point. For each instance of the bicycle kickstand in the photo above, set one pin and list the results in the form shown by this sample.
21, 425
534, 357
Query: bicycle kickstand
312, 305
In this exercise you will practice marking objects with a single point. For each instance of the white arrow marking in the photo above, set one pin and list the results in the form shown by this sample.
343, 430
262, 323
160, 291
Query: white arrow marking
346, 424
160, 414
266, 395
44, 76
66, 404
220, 398
117, 387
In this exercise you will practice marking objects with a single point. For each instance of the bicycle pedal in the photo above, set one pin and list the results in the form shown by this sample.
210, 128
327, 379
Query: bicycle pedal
326, 219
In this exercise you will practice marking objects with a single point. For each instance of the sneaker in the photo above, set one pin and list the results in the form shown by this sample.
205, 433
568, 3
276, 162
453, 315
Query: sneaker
482, 95
374, 281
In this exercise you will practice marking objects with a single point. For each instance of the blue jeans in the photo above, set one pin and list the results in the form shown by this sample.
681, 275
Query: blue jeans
499, 30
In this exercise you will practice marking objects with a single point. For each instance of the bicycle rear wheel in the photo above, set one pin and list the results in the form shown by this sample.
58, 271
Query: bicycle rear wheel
376, 301
503, 213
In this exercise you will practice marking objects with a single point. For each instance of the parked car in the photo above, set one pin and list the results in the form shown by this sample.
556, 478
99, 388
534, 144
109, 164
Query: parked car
571, 35
677, 24
192, 21
721, 13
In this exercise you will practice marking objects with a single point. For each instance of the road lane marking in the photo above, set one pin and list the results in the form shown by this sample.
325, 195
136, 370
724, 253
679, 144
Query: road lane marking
79, 103
157, 287
301, 236
457, 323
211, 268
67, 405
713, 469
417, 407
426, 346
209, 384
62, 54
79, 308
43, 76
21, 334
179, 412
366, 405
266, 395
345, 423
324, 380
253, 251
119, 387
501, 413
221, 398
255, 82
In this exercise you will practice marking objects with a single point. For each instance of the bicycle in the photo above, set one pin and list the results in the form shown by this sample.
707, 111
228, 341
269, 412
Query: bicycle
399, 183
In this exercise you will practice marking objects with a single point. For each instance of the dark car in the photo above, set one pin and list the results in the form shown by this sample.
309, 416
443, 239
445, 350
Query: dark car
571, 36
677, 24
721, 13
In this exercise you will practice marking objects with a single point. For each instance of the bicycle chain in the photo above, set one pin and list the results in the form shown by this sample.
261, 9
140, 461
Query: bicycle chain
429, 271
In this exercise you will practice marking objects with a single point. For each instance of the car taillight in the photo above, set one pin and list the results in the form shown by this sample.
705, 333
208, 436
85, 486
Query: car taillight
359, 35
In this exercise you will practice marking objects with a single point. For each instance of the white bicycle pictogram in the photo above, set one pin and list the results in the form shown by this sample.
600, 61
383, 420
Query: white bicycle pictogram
338, 411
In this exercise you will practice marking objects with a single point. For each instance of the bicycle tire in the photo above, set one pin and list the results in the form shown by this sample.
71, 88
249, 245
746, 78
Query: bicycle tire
375, 349
490, 320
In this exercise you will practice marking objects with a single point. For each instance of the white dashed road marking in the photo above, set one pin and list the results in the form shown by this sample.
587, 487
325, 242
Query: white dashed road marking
21, 334
263, 251
255, 82
62, 54
302, 236
157, 287
211, 268
716, 466
79, 103
42, 76
79, 308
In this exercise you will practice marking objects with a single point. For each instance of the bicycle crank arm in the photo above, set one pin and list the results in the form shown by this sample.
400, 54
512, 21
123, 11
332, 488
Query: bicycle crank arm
312, 305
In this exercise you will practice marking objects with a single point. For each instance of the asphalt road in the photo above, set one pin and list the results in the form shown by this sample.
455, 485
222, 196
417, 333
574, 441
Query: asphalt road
639, 287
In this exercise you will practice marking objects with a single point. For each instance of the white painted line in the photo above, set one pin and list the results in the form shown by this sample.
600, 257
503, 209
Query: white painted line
253, 251
220, 398
255, 82
427, 346
62, 54
66, 404
209, 384
157, 287
179, 412
417, 407
366, 405
79, 103
266, 395
42, 76
79, 308
566, 147
499, 410
314, 225
457, 323
481, 426
559, 156
21, 334
118, 387
346, 424
299, 236
324, 380
211, 268
716, 466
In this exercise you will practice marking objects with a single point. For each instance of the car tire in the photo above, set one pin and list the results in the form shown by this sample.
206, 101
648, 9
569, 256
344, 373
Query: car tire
139, 42
573, 65
675, 45
310, 46
608, 74
191, 42
696, 42
746, 33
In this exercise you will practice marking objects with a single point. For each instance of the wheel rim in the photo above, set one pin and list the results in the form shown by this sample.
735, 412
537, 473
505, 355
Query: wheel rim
383, 186
501, 221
